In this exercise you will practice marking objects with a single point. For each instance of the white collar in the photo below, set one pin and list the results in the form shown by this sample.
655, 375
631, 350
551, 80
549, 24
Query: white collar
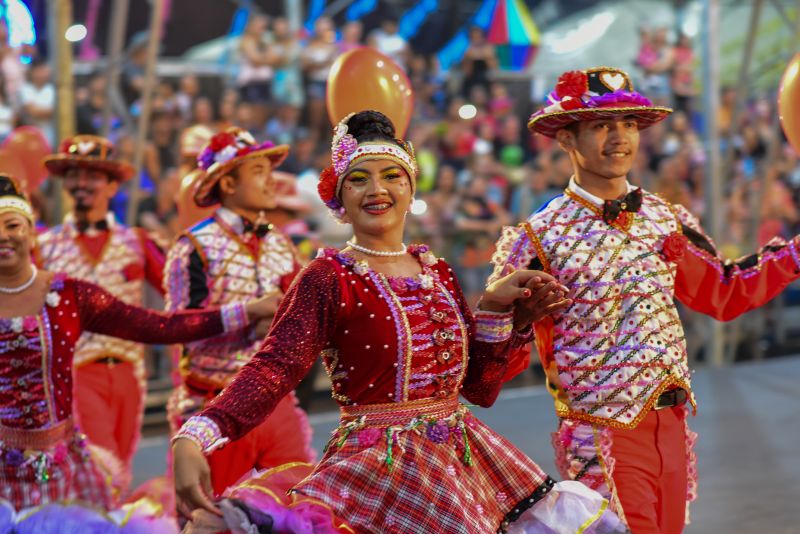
583, 193
111, 220
232, 219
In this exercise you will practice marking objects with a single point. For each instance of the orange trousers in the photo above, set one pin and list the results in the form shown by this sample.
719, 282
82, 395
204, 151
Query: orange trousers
650, 472
282, 438
108, 405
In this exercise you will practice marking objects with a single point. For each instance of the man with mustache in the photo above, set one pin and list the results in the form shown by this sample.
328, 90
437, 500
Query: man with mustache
616, 360
231, 256
110, 377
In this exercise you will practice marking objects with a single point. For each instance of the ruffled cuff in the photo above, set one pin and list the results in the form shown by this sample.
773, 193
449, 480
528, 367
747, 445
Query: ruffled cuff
203, 431
493, 327
523, 336
234, 316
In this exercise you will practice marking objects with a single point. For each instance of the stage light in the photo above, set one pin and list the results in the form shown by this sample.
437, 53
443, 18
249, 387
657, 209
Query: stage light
467, 112
75, 33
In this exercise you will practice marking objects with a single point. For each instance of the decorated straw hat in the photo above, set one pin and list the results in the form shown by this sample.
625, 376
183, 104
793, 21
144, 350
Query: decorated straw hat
224, 152
591, 94
286, 194
13, 199
89, 152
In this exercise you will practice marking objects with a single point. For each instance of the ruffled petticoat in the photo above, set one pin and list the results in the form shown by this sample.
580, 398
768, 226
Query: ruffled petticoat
419, 466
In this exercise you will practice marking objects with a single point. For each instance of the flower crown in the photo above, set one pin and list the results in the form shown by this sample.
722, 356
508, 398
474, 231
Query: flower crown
345, 150
225, 146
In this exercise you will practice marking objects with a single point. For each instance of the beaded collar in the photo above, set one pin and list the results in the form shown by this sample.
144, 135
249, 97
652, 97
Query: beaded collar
25, 323
399, 284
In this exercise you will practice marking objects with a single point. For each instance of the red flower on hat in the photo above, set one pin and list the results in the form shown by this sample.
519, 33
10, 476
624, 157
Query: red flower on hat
569, 102
674, 247
221, 140
572, 83
327, 184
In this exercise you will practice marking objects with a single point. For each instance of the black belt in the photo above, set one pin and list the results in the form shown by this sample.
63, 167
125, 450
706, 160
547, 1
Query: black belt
109, 360
671, 398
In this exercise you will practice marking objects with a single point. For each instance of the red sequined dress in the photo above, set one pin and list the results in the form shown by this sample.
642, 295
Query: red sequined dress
43, 458
407, 455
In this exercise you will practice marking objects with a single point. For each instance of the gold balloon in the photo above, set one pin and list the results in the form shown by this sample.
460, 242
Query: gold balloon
363, 79
789, 102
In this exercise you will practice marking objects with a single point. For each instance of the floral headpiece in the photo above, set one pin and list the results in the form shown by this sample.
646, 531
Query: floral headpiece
346, 151
13, 199
584, 95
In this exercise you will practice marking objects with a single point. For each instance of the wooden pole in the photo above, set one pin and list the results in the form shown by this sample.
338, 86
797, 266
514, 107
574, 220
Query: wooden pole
715, 201
116, 38
59, 13
156, 14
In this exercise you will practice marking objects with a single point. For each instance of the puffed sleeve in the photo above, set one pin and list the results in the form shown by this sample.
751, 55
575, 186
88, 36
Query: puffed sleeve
303, 325
726, 289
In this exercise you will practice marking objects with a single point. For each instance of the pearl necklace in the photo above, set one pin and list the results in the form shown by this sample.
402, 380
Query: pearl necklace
371, 252
23, 287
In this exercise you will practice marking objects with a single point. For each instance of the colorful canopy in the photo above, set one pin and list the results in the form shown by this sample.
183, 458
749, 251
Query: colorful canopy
512, 30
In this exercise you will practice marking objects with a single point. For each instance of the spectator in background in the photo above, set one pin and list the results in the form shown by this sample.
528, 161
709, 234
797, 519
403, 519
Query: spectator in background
226, 112
287, 86
682, 76
202, 112
725, 110
656, 60
12, 69
316, 60
166, 97
534, 192
352, 33
388, 41
188, 91
89, 113
8, 117
132, 79
37, 99
479, 59
443, 203
255, 71
283, 127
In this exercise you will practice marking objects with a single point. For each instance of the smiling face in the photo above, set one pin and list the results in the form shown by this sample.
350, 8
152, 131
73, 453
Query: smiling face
605, 148
376, 196
89, 188
16, 240
251, 187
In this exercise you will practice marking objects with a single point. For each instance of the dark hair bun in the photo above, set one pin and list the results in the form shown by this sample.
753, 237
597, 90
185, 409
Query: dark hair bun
9, 187
371, 126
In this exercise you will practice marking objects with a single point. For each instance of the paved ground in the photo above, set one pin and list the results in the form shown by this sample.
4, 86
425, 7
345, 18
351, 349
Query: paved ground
749, 426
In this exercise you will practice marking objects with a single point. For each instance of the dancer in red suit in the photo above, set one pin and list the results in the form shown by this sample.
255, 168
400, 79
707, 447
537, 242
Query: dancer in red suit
91, 245
616, 359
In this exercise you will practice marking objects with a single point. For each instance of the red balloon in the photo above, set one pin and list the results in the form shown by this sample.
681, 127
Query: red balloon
190, 213
364, 79
10, 164
30, 146
789, 102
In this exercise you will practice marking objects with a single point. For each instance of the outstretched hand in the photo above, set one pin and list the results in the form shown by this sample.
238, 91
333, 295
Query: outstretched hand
192, 479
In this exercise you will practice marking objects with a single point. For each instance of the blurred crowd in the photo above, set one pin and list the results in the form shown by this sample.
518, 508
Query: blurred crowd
480, 169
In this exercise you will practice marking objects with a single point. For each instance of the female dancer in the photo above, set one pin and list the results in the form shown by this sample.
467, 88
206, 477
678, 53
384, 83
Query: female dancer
399, 344
43, 458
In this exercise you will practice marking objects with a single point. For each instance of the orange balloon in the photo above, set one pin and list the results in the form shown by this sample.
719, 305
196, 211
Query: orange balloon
11, 164
190, 213
364, 79
30, 146
789, 102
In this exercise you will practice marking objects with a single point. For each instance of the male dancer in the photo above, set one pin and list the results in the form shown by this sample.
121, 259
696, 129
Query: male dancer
110, 381
616, 359
231, 256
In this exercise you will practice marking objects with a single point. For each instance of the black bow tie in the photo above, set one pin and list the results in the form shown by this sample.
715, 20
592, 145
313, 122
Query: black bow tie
259, 229
85, 226
630, 202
